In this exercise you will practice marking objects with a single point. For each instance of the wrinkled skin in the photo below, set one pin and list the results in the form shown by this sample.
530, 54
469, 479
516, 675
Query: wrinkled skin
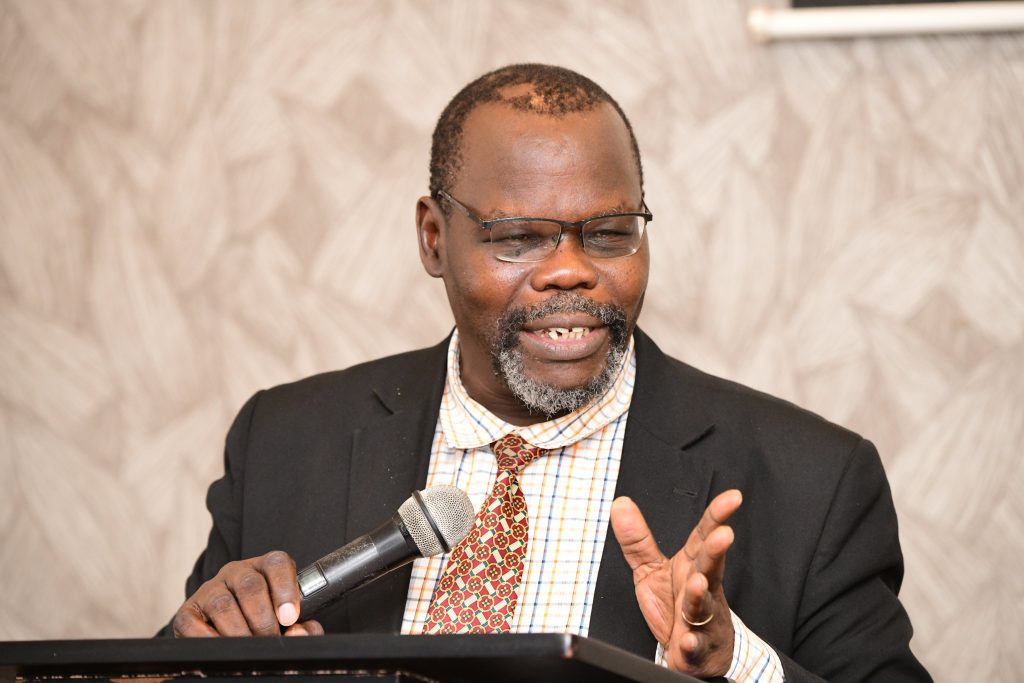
254, 597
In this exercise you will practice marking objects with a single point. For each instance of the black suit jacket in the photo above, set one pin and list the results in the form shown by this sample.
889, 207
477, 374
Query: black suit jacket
814, 571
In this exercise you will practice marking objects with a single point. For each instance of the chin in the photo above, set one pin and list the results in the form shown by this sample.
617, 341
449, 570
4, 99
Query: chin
557, 393
562, 378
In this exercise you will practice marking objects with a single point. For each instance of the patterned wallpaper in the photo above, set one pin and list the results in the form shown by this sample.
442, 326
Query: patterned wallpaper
199, 199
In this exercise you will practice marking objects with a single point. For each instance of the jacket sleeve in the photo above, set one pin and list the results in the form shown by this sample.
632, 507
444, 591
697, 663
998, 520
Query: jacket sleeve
850, 623
224, 501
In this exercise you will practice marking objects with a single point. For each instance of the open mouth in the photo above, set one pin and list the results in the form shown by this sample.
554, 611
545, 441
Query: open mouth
559, 333
563, 343
566, 328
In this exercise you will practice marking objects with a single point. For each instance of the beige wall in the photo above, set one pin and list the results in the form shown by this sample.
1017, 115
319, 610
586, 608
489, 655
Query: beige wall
200, 199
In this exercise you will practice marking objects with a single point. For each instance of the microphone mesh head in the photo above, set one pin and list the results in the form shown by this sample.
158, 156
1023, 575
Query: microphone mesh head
452, 512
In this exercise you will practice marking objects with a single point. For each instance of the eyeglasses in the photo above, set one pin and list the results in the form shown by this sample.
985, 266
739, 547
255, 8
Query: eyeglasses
523, 239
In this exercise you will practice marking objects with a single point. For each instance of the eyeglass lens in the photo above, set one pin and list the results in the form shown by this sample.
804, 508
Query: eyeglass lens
534, 240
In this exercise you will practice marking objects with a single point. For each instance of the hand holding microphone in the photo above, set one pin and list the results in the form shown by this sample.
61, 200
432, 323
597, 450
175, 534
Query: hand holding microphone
426, 524
260, 595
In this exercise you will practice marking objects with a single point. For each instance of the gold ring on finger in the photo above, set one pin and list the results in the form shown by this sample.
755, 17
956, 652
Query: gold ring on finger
698, 623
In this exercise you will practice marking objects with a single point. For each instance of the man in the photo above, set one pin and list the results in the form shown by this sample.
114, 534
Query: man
547, 368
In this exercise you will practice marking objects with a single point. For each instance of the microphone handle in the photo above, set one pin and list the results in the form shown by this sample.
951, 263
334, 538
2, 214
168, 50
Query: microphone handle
387, 547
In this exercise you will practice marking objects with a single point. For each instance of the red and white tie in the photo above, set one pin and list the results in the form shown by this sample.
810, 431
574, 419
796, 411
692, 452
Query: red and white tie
479, 587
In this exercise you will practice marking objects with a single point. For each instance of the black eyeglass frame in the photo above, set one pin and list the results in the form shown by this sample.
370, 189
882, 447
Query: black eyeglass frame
562, 225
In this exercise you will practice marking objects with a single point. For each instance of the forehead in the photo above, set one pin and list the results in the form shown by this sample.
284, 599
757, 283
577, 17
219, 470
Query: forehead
523, 161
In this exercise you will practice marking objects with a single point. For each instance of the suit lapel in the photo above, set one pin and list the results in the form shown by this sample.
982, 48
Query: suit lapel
390, 456
668, 483
389, 459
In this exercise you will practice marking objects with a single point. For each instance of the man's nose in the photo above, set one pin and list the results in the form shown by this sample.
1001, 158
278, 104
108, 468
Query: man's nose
568, 267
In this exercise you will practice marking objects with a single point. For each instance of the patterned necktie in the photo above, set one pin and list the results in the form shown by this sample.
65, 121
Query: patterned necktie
479, 588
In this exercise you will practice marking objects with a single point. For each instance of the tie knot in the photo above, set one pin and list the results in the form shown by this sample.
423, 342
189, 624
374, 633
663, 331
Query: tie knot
513, 453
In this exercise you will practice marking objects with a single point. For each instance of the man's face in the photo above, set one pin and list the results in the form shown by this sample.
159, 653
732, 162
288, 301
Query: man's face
509, 315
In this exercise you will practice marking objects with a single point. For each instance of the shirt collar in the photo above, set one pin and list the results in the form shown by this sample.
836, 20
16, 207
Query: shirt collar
467, 424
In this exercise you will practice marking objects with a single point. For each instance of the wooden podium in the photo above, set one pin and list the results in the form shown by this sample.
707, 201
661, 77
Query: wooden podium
530, 658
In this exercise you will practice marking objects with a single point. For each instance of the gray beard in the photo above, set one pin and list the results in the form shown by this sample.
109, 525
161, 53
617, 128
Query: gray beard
543, 398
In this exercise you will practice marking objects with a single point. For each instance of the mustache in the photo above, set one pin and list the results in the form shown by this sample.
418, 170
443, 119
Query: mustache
610, 315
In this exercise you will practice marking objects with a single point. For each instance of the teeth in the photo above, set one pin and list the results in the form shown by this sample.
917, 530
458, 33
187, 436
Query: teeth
557, 333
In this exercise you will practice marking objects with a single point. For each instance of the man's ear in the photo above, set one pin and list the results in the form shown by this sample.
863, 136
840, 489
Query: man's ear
430, 227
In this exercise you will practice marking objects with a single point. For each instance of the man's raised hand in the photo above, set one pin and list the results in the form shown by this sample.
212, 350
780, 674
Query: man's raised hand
681, 597
254, 597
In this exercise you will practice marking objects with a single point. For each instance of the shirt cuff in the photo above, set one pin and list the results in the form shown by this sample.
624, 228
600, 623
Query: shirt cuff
753, 660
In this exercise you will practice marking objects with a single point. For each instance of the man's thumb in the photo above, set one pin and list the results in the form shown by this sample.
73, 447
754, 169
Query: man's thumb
633, 534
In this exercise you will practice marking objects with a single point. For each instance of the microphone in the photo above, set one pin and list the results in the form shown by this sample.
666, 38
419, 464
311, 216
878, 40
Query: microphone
427, 523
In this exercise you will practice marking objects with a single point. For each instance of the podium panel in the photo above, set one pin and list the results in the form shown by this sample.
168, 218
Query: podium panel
493, 658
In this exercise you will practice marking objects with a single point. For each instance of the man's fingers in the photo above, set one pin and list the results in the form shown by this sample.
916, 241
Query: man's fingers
719, 510
253, 597
305, 628
246, 597
633, 535
711, 558
696, 605
189, 622
724, 505
691, 651
222, 610
702, 638
279, 570
717, 513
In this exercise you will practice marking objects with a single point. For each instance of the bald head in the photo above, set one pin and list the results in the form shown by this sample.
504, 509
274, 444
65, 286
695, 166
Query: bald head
536, 88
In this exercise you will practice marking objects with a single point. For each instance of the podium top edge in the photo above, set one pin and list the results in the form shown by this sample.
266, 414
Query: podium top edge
330, 647
543, 652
